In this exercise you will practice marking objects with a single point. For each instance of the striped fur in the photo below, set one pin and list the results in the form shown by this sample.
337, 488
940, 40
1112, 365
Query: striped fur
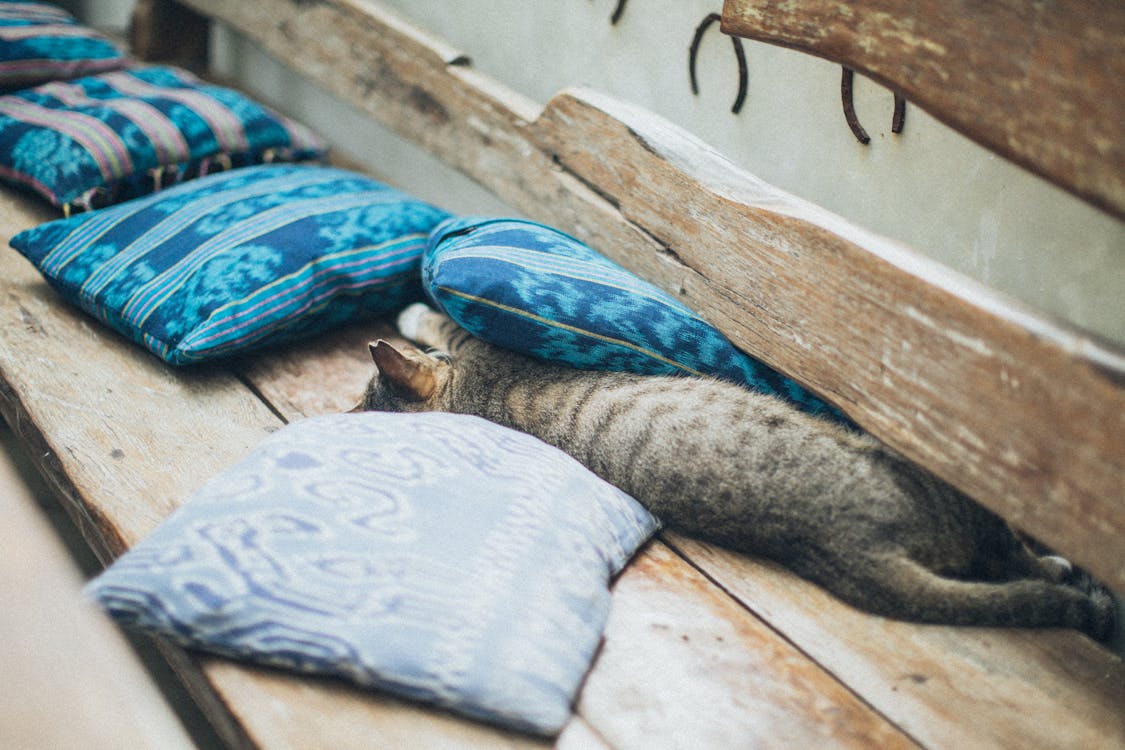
752, 473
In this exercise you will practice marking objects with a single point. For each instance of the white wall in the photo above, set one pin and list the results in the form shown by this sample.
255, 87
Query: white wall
928, 187
106, 14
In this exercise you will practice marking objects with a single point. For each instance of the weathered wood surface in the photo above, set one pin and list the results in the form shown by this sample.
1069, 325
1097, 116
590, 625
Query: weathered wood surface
126, 439
1020, 412
683, 667
1039, 83
947, 687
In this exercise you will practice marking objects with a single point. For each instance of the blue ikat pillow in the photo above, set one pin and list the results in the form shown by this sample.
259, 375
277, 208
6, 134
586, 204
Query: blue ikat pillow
240, 259
437, 556
534, 289
41, 42
106, 138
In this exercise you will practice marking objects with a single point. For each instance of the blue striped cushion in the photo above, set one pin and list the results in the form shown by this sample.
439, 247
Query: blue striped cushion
113, 136
238, 259
41, 42
438, 556
533, 289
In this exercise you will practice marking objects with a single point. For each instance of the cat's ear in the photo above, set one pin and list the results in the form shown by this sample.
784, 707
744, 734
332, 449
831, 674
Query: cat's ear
414, 379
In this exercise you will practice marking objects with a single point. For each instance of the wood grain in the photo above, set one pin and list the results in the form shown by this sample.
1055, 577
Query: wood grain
323, 375
102, 413
683, 666
1022, 413
946, 686
1038, 83
1019, 411
923, 358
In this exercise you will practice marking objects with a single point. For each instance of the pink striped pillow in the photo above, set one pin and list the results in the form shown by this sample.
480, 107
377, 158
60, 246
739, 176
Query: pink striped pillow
119, 135
40, 42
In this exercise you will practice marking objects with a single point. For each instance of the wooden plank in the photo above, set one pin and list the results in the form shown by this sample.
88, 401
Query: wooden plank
1018, 411
1039, 83
946, 686
125, 440
682, 664
98, 409
165, 31
282, 710
323, 375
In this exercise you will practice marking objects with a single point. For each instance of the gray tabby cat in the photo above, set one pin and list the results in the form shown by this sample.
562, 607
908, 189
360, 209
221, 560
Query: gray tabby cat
752, 473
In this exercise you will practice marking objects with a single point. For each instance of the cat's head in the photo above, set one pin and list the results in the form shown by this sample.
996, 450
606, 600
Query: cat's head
407, 379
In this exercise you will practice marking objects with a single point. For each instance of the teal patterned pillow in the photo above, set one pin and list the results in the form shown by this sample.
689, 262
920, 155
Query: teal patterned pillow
438, 556
531, 288
110, 137
240, 259
41, 42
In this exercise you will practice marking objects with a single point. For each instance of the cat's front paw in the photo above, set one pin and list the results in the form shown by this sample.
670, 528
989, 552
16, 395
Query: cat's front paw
410, 319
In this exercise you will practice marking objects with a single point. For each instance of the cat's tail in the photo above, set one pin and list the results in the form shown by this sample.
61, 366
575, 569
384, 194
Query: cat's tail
896, 586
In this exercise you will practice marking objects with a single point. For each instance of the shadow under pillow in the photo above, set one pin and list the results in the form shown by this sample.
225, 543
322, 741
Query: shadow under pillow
237, 260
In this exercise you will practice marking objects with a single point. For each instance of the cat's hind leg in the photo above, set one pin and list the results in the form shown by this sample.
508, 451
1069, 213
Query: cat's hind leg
1017, 560
896, 586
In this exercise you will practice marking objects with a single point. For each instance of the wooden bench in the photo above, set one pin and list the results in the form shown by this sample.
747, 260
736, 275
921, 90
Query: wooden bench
704, 648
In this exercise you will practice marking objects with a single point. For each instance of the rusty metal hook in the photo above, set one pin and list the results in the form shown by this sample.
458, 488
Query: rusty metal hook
618, 12
739, 54
897, 119
899, 116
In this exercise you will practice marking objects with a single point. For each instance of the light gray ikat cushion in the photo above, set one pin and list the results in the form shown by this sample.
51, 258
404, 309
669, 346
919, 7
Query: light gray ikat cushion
437, 556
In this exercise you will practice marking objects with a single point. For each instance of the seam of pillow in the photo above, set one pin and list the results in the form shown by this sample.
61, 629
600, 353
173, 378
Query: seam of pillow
642, 288
194, 346
553, 324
